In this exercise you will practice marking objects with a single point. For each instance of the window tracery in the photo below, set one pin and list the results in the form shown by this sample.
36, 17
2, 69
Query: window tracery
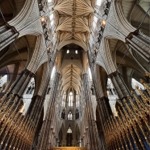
70, 100
70, 116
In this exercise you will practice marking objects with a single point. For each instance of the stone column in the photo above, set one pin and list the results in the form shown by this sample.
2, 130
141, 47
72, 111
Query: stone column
44, 137
92, 128
103, 106
21, 82
74, 141
119, 85
14, 93
99, 97
140, 44
8, 34
64, 138
11, 104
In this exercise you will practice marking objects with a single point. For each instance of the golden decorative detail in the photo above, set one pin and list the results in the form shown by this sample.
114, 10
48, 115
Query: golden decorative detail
131, 122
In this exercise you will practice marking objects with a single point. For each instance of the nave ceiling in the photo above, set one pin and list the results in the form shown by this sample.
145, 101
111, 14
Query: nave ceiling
73, 20
70, 63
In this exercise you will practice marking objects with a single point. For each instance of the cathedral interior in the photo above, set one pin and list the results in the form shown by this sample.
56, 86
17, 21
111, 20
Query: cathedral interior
74, 74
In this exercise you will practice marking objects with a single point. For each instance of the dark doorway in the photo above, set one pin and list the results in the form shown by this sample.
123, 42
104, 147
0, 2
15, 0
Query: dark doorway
69, 139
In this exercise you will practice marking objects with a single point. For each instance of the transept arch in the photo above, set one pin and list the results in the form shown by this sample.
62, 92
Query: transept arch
62, 44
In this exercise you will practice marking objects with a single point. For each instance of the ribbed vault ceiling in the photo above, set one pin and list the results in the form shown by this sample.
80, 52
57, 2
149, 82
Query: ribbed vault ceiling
71, 77
74, 19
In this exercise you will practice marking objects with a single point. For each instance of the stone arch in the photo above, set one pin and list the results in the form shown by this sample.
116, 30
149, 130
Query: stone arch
19, 50
121, 54
117, 25
64, 43
124, 60
16, 55
10, 9
135, 14
39, 55
21, 18
104, 57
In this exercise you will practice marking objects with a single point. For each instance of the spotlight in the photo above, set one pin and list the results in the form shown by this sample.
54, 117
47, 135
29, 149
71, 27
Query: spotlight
43, 19
103, 22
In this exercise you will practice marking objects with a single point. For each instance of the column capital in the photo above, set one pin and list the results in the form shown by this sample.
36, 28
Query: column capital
113, 74
130, 35
102, 98
28, 72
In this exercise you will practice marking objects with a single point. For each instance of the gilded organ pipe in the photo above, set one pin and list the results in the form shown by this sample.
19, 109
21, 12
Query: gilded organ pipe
130, 129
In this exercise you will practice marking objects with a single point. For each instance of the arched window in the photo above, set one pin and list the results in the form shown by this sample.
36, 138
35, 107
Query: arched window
70, 115
70, 101
69, 130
